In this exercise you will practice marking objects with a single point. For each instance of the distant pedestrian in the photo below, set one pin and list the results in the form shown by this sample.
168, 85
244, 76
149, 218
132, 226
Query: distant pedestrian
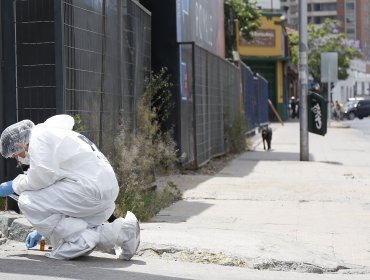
293, 108
338, 111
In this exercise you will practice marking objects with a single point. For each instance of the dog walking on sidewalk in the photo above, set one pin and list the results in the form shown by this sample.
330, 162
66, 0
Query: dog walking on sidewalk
266, 137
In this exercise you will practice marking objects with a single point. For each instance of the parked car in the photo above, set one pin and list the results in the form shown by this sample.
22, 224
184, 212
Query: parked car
359, 109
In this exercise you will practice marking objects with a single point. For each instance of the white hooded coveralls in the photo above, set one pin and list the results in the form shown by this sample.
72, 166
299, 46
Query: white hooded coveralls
69, 192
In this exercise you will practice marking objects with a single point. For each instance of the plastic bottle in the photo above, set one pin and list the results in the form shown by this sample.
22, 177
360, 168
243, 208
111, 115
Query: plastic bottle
42, 244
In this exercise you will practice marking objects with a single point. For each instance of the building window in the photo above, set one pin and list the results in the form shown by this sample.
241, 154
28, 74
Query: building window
350, 6
320, 20
350, 18
324, 7
330, 7
350, 31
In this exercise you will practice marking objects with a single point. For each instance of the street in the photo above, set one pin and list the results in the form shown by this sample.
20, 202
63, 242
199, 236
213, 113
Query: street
266, 215
362, 125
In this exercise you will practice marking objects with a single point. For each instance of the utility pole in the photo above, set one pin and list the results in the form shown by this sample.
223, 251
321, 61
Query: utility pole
303, 81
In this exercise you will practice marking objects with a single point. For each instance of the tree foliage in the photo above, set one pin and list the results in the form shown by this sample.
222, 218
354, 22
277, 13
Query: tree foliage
248, 16
326, 38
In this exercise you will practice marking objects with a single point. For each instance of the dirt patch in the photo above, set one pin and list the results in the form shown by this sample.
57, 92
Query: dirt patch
276, 265
219, 258
212, 167
194, 256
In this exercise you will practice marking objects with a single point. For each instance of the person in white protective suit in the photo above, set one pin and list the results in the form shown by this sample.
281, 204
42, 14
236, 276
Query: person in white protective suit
68, 192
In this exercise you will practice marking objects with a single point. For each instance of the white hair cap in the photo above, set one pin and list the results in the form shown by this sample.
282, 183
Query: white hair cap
15, 137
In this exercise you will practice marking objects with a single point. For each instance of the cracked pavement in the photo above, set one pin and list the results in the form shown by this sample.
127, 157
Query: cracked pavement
273, 212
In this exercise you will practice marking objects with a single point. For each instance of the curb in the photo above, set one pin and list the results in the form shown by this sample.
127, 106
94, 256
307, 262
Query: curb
338, 125
14, 226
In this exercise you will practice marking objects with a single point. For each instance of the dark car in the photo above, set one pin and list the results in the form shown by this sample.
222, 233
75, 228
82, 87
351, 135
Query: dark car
359, 109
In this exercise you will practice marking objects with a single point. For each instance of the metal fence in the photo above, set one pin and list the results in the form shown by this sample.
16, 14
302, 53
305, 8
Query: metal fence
249, 98
255, 99
82, 57
106, 56
210, 103
261, 86
35, 59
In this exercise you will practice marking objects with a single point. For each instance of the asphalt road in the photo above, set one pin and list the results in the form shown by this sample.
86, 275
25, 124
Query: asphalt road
16, 263
362, 125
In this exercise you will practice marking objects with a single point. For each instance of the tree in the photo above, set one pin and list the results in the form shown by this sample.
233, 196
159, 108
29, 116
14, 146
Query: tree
248, 16
326, 38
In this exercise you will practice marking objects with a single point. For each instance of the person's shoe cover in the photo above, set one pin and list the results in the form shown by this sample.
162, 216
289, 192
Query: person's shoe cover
129, 237
123, 235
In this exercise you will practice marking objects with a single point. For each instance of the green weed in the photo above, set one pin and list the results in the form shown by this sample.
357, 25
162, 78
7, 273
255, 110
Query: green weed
139, 156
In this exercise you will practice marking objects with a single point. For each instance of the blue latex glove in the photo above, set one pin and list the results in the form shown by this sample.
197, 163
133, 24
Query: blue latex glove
32, 239
6, 188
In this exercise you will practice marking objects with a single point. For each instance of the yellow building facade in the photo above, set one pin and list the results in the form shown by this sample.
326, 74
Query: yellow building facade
267, 55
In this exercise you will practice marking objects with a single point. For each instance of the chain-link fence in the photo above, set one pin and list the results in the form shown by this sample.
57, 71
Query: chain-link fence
82, 57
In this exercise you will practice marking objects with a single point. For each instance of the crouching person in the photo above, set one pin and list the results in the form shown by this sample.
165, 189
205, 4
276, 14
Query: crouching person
68, 192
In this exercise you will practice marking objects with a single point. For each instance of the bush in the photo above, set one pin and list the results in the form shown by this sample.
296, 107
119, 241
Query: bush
78, 126
2, 203
235, 133
149, 151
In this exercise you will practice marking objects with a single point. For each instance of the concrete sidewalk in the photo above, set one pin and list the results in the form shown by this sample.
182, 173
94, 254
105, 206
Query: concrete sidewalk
264, 212
274, 212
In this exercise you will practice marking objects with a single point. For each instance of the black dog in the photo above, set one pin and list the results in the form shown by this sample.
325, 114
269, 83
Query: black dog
266, 137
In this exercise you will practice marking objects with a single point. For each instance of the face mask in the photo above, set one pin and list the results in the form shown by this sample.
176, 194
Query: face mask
24, 160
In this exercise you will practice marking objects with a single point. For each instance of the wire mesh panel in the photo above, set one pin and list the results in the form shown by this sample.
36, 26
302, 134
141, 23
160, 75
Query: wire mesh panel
216, 106
84, 40
216, 86
187, 104
262, 100
211, 85
106, 57
105, 48
136, 56
202, 107
249, 97
231, 91
230, 87
35, 59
